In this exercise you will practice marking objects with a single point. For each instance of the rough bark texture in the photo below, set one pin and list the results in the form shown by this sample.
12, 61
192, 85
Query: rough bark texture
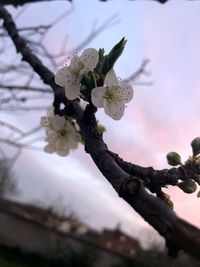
126, 181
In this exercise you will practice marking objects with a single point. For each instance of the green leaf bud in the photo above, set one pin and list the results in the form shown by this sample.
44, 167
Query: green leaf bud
101, 59
100, 128
196, 146
110, 59
173, 159
188, 186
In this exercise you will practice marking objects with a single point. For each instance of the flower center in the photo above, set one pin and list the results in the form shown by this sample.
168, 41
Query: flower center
63, 132
111, 94
77, 69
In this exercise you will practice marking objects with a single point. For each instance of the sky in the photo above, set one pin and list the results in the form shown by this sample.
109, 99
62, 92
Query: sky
162, 117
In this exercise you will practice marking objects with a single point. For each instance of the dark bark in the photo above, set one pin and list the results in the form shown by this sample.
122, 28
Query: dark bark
177, 233
151, 177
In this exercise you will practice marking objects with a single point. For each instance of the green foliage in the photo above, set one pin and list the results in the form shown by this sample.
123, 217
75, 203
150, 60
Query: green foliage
101, 59
110, 59
87, 84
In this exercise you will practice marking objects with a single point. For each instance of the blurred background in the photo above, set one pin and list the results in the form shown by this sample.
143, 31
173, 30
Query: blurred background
161, 60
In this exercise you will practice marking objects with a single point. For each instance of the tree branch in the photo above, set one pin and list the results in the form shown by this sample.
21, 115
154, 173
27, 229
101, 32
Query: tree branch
152, 177
177, 233
25, 88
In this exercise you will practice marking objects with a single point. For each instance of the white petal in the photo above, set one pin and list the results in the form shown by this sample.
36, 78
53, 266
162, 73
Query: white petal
73, 144
97, 96
69, 127
75, 62
82, 72
63, 153
72, 90
111, 78
62, 144
50, 112
58, 122
52, 136
49, 149
44, 121
61, 77
126, 92
115, 109
77, 137
90, 58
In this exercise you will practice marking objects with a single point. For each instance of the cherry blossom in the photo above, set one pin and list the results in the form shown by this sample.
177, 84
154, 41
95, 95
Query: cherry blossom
70, 76
113, 96
61, 134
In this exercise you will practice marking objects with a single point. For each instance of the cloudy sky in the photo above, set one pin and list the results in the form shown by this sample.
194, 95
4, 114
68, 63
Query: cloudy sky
162, 117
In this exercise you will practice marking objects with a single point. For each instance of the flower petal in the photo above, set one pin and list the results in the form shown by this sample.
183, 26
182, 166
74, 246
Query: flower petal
61, 77
126, 92
115, 109
73, 143
111, 78
50, 112
97, 96
90, 58
49, 149
58, 122
63, 153
72, 90
62, 144
74, 62
52, 136
44, 121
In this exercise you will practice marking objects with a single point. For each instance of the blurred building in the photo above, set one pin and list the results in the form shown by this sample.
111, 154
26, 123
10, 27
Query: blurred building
118, 241
43, 231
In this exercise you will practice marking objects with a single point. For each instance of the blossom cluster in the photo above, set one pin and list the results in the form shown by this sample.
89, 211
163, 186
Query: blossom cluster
61, 134
112, 96
82, 78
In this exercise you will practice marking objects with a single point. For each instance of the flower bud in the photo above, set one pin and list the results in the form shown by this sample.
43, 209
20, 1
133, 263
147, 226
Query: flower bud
110, 59
170, 204
188, 186
168, 201
196, 146
100, 128
173, 159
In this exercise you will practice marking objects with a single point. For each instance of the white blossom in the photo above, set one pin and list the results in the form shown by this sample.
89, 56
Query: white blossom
61, 135
113, 96
46, 121
70, 76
